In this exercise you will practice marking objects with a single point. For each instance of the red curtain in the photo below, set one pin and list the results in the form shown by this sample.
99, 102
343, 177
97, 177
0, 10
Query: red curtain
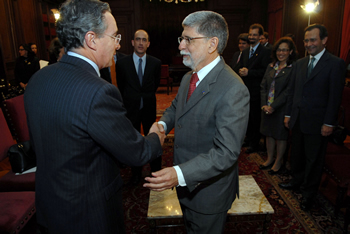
345, 40
275, 11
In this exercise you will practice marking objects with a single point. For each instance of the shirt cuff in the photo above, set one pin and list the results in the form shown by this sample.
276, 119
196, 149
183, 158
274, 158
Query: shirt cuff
180, 176
164, 125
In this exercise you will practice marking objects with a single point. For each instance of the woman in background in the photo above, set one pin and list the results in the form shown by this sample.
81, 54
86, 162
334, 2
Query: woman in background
26, 65
273, 102
56, 51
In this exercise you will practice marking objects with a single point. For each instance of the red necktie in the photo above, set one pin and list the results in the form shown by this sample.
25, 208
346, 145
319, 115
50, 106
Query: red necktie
193, 81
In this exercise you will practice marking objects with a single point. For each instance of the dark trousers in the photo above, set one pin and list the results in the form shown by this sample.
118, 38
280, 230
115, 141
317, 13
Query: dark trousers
253, 130
307, 158
145, 118
197, 223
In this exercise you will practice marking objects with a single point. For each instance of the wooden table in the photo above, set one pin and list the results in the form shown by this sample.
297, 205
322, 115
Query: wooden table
164, 208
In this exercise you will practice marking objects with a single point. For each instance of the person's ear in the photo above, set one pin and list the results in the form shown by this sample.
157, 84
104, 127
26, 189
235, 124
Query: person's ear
90, 37
213, 44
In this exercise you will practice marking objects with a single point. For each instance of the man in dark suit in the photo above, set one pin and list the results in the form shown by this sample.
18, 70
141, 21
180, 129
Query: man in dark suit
314, 97
243, 43
264, 40
79, 131
138, 77
210, 123
254, 62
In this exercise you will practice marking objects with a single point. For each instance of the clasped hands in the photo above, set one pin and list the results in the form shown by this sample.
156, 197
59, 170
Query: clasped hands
267, 109
159, 130
243, 71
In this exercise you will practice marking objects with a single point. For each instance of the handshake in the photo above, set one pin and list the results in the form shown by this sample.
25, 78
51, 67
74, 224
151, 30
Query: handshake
159, 130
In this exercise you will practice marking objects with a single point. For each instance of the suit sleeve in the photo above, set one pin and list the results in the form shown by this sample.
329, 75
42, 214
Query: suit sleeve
290, 90
109, 127
231, 119
336, 86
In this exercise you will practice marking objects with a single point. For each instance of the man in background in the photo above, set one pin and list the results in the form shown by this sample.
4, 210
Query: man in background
313, 100
264, 40
78, 128
210, 115
243, 43
253, 63
138, 77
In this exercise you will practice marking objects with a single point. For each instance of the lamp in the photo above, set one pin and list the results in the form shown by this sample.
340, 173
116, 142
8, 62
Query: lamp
56, 13
309, 7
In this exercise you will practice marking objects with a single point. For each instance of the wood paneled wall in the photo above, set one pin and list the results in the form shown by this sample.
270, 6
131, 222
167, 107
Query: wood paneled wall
23, 23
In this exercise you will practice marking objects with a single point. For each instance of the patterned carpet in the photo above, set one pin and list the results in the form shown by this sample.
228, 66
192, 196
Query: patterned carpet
288, 217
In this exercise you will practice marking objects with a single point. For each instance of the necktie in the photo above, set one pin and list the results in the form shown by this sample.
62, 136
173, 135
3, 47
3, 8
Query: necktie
311, 66
140, 75
193, 81
239, 57
251, 53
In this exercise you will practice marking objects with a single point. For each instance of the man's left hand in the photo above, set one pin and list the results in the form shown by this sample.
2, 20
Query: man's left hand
326, 130
162, 180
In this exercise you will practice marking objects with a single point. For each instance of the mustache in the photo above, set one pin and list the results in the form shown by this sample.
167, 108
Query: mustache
184, 53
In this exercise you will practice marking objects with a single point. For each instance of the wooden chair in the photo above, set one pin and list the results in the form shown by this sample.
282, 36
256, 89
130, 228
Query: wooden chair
165, 79
17, 118
11, 182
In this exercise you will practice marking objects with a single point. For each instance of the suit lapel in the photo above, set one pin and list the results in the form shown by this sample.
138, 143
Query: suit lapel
134, 78
202, 90
319, 66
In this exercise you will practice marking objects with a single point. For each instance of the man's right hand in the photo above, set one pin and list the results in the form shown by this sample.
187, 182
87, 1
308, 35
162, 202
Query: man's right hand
286, 122
159, 130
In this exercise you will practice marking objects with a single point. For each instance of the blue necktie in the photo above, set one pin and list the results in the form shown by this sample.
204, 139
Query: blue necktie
140, 75
311, 66
251, 53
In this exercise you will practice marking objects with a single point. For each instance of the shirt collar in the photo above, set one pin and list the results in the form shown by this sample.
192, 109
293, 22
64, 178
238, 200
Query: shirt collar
205, 70
94, 65
319, 55
136, 58
256, 46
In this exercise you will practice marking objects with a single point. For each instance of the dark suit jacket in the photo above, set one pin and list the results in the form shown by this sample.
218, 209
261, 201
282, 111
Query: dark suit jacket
316, 99
233, 64
80, 134
272, 125
130, 88
256, 65
269, 46
209, 132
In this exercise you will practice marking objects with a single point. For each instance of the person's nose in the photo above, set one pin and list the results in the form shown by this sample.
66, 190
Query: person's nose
182, 45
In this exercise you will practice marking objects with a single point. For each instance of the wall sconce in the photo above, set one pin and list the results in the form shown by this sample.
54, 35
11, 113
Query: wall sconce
56, 13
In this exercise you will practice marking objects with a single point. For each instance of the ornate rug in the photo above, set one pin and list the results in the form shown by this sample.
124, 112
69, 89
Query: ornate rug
288, 217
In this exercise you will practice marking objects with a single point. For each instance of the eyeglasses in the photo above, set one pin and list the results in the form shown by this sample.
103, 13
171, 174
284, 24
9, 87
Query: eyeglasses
282, 50
312, 40
188, 39
117, 39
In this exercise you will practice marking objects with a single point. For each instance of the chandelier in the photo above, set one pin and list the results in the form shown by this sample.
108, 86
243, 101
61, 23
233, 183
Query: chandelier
177, 1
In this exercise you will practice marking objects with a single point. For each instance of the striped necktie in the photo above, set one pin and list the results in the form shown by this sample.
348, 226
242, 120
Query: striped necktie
193, 81
311, 66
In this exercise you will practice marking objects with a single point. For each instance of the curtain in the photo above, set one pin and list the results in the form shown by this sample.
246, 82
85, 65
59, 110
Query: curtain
275, 16
345, 39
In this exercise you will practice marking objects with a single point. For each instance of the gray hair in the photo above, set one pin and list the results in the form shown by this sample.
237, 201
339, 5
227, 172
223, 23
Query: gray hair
77, 17
209, 24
